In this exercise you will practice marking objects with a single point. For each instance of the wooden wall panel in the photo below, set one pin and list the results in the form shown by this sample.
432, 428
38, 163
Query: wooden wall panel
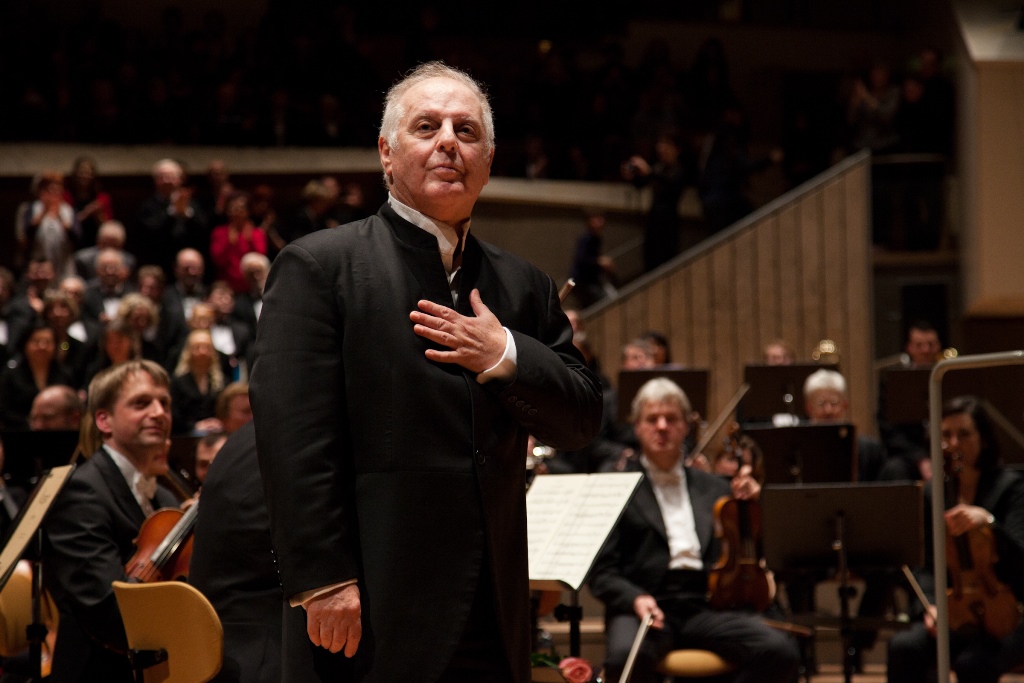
700, 304
748, 348
791, 313
657, 298
858, 290
769, 302
725, 361
811, 282
834, 274
680, 322
634, 315
613, 341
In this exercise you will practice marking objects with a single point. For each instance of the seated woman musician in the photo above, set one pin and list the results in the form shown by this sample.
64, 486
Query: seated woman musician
985, 553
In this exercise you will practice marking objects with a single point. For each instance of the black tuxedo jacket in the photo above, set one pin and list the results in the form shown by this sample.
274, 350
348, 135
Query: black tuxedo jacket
90, 533
635, 557
401, 472
233, 563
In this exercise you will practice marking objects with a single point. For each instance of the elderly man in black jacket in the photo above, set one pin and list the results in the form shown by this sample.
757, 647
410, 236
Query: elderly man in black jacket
401, 365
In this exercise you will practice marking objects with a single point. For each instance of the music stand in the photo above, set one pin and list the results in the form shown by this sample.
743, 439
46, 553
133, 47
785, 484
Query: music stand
27, 528
807, 454
776, 389
694, 384
869, 526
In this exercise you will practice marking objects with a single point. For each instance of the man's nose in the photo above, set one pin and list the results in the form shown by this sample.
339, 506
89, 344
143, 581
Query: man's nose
446, 138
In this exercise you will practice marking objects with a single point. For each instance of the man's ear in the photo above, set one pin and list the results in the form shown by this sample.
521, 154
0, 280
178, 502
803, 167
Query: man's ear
103, 421
384, 149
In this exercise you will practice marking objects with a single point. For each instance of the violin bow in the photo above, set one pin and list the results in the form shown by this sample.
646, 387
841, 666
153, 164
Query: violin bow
712, 429
645, 625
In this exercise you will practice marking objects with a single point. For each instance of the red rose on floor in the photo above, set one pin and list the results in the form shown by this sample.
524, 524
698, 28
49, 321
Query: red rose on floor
575, 670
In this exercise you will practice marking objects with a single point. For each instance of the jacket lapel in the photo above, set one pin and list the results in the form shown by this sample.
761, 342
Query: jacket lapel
703, 506
648, 506
120, 492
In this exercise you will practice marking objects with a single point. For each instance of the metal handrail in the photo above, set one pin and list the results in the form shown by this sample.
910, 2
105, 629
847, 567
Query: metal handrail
984, 360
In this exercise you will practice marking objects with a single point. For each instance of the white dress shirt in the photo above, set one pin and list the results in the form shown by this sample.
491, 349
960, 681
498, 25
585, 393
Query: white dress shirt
677, 513
142, 487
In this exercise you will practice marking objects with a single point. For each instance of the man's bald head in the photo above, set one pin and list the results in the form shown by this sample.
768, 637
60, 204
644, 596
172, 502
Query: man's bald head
54, 408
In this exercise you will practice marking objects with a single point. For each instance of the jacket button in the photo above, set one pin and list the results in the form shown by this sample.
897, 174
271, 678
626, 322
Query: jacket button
533, 411
512, 399
526, 407
519, 404
481, 458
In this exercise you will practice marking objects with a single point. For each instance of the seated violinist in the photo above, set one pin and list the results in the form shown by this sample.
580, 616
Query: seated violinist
656, 560
985, 506
96, 517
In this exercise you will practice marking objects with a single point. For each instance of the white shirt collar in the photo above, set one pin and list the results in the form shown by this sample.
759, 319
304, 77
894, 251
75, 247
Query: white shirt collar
660, 477
447, 235
142, 487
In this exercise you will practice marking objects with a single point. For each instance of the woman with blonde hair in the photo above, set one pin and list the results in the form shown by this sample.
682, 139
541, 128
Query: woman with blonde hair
140, 313
198, 379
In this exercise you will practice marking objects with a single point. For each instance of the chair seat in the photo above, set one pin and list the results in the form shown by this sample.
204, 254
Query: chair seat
694, 664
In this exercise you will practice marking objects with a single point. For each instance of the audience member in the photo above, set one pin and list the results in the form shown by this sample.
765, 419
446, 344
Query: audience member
317, 201
110, 235
188, 289
872, 111
118, 344
249, 304
57, 407
169, 221
170, 329
207, 449
47, 225
33, 370
230, 337
83, 331
60, 312
667, 179
589, 268
198, 379
233, 409
91, 203
103, 295
6, 292
212, 195
27, 305
143, 316
230, 242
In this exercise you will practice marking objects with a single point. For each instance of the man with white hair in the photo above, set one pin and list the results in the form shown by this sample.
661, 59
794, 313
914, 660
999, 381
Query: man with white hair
168, 221
656, 560
401, 365
248, 305
826, 400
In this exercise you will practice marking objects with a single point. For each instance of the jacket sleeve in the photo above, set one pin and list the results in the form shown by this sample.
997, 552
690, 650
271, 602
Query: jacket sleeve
297, 395
608, 583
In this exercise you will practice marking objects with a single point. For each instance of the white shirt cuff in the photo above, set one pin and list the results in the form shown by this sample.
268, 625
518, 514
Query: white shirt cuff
301, 599
505, 368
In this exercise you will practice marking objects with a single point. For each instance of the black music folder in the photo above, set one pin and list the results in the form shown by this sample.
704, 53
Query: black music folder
776, 389
30, 453
807, 454
694, 384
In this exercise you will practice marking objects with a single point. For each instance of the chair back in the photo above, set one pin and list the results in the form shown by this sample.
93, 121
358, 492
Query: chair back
178, 618
16, 615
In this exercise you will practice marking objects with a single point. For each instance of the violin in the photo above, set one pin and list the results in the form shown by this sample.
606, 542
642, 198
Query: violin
978, 600
739, 580
164, 546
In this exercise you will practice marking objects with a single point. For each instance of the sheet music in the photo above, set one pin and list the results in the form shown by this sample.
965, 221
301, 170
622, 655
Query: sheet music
569, 516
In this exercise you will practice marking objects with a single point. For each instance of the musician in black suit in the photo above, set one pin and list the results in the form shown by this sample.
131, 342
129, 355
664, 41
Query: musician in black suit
989, 496
91, 526
656, 560
233, 563
392, 419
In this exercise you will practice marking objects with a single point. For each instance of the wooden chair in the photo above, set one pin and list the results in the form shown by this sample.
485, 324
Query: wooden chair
694, 664
174, 634
16, 616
